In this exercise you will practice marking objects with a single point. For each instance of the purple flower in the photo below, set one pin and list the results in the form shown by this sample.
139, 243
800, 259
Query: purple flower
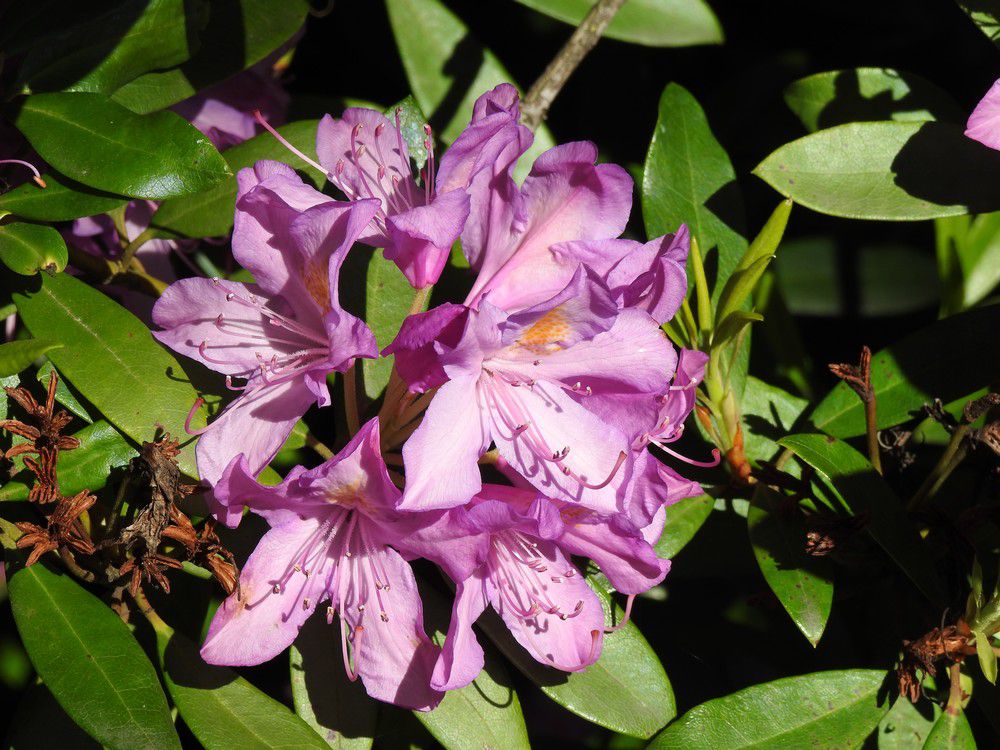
282, 335
365, 157
526, 575
984, 122
331, 539
537, 384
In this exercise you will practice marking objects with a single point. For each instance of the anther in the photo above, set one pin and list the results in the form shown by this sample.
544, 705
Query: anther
305, 603
276, 588
384, 616
187, 422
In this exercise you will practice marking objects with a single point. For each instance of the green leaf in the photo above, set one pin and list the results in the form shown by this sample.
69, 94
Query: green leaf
102, 450
684, 518
221, 708
485, 713
865, 493
30, 248
61, 199
986, 15
654, 23
802, 583
978, 255
111, 358
768, 413
987, 657
337, 709
946, 360
39, 721
824, 709
210, 213
894, 171
951, 732
626, 691
689, 179
387, 303
448, 69
905, 726
110, 48
64, 395
98, 142
238, 34
753, 263
887, 279
411, 126
90, 661
835, 97
18, 355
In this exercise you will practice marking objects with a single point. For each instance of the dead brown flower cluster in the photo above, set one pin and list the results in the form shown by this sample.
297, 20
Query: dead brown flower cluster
949, 644
150, 491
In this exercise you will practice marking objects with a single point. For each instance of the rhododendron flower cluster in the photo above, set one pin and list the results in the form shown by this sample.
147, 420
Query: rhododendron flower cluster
553, 372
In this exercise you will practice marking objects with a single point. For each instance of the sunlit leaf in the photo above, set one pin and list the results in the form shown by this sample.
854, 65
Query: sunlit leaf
18, 355
30, 248
684, 518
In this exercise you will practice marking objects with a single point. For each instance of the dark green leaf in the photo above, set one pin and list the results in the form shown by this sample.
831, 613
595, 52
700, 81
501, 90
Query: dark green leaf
946, 360
239, 33
98, 142
897, 171
803, 583
61, 199
448, 69
210, 213
865, 493
64, 395
90, 467
828, 710
655, 23
951, 732
30, 248
110, 48
387, 303
90, 661
768, 413
18, 355
40, 722
689, 180
337, 709
906, 726
835, 97
626, 691
221, 708
986, 15
684, 518
111, 358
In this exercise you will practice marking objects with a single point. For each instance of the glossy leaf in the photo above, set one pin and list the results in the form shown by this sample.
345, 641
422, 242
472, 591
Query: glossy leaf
210, 213
98, 142
39, 721
768, 414
906, 726
448, 69
90, 467
688, 179
64, 395
824, 709
684, 518
387, 302
626, 691
895, 171
337, 709
946, 360
865, 493
61, 199
221, 708
89, 660
18, 355
111, 48
987, 657
655, 23
835, 97
238, 34
951, 732
485, 713
978, 255
803, 583
986, 15
30, 248
111, 358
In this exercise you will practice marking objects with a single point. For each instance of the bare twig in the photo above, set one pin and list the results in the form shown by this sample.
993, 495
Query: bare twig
859, 378
536, 104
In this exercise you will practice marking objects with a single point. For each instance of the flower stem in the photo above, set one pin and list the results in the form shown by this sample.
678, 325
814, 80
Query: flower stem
536, 104
130, 249
351, 400
953, 455
317, 445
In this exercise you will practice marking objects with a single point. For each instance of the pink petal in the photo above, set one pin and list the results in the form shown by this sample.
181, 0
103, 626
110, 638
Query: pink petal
625, 558
462, 657
984, 122
421, 238
417, 361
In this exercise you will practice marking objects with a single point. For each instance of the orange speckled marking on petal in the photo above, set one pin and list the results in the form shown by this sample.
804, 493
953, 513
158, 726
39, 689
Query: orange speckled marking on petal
317, 281
546, 332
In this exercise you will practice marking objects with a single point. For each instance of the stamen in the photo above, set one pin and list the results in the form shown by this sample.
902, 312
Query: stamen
284, 142
614, 470
716, 456
625, 617
187, 422
352, 672
38, 176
